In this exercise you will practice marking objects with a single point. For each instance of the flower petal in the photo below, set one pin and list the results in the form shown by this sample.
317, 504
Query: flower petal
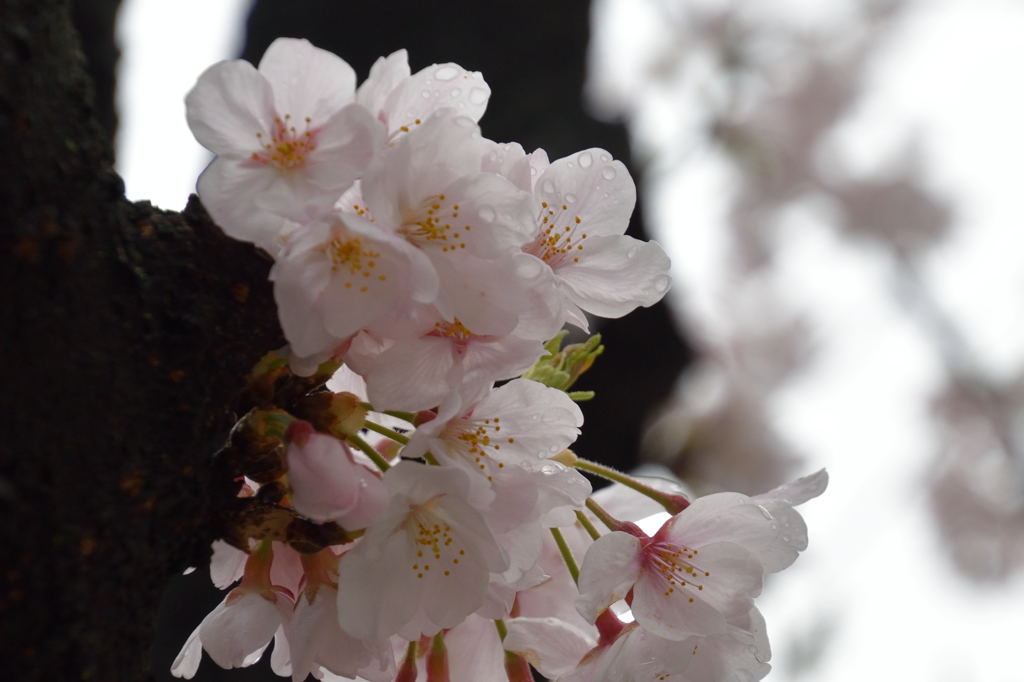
609, 569
230, 103
435, 87
385, 75
552, 646
307, 80
186, 663
616, 274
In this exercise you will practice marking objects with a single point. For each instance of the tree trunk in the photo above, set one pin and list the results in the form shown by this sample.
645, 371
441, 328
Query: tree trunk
127, 332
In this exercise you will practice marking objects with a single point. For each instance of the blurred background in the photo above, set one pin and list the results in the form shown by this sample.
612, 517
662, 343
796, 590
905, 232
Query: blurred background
837, 185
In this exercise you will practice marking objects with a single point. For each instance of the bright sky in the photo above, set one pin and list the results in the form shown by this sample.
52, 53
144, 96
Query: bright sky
165, 46
951, 76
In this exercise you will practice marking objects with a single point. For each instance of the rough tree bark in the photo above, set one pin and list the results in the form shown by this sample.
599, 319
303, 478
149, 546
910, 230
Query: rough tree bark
126, 334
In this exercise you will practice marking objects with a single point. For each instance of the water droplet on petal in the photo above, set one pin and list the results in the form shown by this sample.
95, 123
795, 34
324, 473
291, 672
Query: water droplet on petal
570, 198
548, 186
605, 158
486, 213
764, 512
446, 73
455, 93
585, 160
608, 173
425, 94
785, 538
478, 95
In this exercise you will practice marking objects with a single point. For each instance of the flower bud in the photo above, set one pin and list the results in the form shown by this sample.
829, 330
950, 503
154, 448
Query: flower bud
258, 445
340, 414
560, 368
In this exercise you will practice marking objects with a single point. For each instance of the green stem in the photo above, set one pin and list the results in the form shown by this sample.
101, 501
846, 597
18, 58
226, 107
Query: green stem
606, 518
581, 396
404, 416
385, 431
673, 504
499, 624
381, 463
567, 557
587, 525
429, 458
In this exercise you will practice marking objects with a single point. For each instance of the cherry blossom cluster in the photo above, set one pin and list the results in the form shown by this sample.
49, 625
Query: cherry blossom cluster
423, 275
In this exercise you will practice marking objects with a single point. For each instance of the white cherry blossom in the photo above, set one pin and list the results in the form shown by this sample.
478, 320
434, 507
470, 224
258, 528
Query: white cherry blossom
402, 101
637, 655
316, 642
582, 205
702, 568
342, 274
239, 629
288, 136
522, 420
435, 357
424, 565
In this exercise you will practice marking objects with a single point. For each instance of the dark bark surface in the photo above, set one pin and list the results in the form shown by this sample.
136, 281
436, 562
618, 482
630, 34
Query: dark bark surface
126, 334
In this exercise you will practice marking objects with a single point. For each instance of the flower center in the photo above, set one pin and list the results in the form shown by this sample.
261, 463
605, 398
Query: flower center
435, 224
557, 243
435, 545
477, 441
454, 330
288, 148
673, 563
353, 261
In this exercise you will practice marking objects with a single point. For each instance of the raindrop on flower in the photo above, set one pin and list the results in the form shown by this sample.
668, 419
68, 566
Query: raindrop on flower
446, 73
477, 95
608, 173
586, 160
